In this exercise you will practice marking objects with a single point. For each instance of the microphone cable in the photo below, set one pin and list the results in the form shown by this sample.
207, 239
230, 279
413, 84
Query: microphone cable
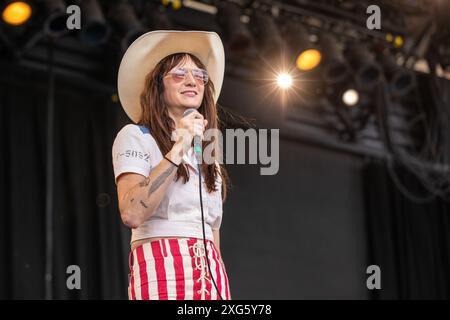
203, 228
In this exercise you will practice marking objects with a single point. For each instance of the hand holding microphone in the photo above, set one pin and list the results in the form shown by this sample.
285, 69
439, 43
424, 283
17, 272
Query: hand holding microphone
191, 127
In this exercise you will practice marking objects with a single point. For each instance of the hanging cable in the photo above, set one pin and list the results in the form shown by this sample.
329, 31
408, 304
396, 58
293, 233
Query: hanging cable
49, 174
385, 134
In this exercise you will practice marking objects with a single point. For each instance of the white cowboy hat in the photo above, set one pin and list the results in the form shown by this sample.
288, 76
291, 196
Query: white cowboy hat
150, 48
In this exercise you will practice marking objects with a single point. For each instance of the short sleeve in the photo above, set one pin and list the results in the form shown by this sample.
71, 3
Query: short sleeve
131, 151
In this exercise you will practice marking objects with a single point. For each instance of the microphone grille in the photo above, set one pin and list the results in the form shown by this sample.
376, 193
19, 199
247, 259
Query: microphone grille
188, 111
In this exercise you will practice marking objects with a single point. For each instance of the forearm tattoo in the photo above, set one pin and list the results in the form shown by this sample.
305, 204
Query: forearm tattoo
160, 179
144, 182
143, 204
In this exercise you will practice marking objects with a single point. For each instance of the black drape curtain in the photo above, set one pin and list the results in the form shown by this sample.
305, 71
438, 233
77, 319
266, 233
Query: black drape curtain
410, 242
87, 229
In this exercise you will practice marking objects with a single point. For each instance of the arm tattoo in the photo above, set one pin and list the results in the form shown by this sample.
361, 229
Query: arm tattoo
144, 182
143, 204
160, 179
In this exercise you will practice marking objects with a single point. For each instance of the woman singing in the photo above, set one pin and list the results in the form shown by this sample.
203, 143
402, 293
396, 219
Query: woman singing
162, 74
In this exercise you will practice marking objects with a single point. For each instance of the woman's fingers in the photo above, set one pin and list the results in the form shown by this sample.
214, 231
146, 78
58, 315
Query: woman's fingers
194, 123
195, 115
198, 129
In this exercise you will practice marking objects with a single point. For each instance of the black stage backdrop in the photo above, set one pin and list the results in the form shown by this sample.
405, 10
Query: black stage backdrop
301, 234
87, 231
410, 242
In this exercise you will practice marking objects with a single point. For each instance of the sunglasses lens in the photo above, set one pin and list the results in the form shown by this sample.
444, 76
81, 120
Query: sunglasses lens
179, 74
199, 74
205, 78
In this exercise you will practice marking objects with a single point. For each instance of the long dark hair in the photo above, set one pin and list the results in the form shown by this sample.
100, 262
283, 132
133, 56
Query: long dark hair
155, 116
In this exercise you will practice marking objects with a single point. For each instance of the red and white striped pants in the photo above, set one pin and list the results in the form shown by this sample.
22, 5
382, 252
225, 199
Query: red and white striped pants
176, 269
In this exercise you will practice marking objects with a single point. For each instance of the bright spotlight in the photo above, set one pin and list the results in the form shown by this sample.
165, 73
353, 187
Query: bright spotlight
284, 80
16, 13
309, 59
350, 97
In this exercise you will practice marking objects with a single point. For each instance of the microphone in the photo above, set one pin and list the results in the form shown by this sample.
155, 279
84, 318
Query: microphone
197, 139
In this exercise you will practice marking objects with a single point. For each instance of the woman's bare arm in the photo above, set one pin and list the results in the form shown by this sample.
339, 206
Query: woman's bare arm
139, 196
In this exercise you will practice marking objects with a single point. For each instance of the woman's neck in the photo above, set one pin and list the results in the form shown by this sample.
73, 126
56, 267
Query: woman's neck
176, 113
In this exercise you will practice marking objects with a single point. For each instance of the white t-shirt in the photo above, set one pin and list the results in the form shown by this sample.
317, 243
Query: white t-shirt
179, 215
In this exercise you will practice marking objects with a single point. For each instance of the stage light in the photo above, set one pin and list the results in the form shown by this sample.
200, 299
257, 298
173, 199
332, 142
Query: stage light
176, 4
56, 23
398, 42
94, 30
335, 67
308, 59
16, 13
124, 18
237, 35
389, 37
307, 55
350, 97
115, 98
284, 80
368, 72
401, 81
